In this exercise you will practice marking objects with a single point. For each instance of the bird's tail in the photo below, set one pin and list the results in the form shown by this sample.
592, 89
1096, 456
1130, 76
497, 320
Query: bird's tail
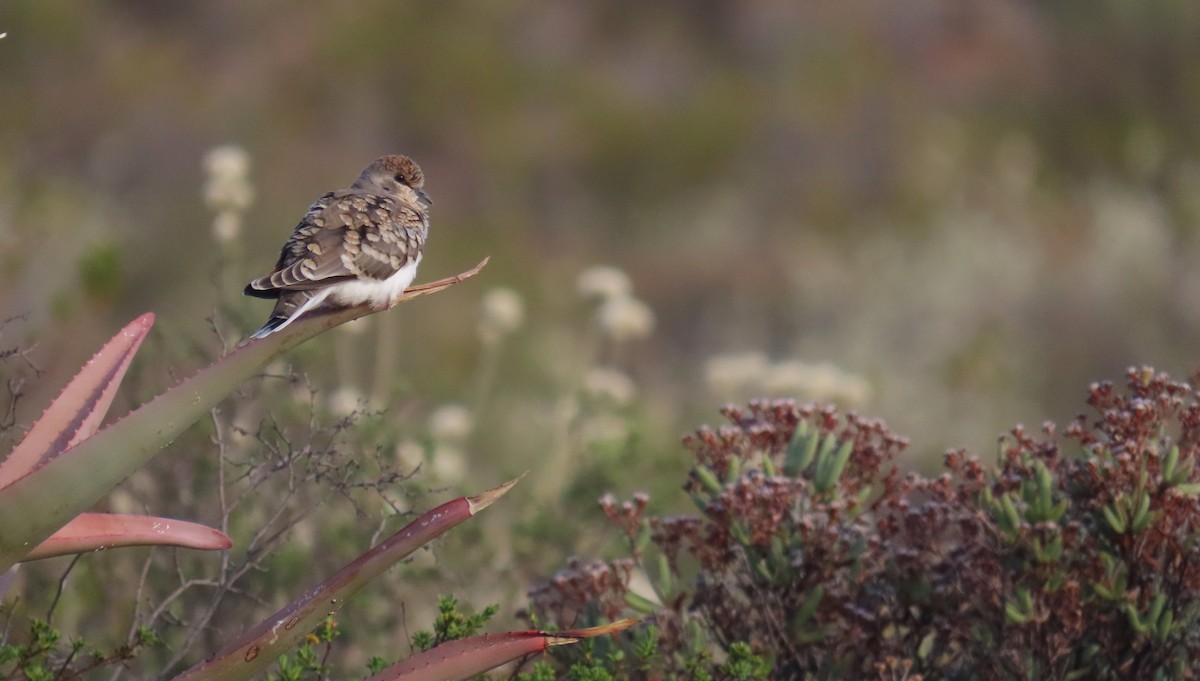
289, 309
273, 324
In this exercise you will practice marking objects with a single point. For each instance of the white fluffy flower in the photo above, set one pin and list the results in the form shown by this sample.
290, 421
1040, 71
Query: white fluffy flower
450, 423
732, 376
228, 191
502, 312
228, 186
448, 464
346, 401
625, 318
822, 381
604, 282
227, 226
610, 385
228, 161
789, 377
410, 454
598, 428
728, 375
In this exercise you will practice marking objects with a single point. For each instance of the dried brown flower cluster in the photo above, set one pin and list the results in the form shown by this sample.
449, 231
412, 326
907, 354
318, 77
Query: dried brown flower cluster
1077, 557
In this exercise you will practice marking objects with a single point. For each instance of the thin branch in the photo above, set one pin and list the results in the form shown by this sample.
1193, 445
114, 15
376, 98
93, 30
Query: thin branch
62, 581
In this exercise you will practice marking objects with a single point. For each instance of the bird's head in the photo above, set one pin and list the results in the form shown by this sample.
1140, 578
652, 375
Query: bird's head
398, 176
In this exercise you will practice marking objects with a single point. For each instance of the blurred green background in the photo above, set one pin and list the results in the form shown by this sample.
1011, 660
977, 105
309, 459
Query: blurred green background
952, 214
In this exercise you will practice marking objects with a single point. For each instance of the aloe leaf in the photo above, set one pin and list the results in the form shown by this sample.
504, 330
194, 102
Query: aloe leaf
254, 650
78, 410
34, 506
96, 531
464, 658
6, 579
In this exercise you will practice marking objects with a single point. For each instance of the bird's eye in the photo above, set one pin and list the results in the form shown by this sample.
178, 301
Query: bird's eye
399, 177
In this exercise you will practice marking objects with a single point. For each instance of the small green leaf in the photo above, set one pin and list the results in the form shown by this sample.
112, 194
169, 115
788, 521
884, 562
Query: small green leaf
1011, 518
708, 479
1190, 489
763, 570
809, 607
768, 465
828, 444
863, 495
1170, 461
1142, 517
738, 529
830, 466
1014, 614
780, 561
696, 637
1156, 609
1090, 652
1057, 511
1115, 519
1166, 625
733, 470
1045, 485
1135, 619
666, 585
1183, 472
643, 538
1025, 598
1048, 553
640, 603
926, 645
802, 450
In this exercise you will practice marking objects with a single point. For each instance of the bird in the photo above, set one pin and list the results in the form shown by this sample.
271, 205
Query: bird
354, 246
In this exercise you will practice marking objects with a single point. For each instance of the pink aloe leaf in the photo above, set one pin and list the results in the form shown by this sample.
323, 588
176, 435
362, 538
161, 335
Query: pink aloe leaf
96, 531
254, 650
78, 410
33, 506
464, 658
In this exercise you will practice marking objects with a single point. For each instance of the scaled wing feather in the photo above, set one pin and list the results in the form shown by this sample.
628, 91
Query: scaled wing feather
344, 237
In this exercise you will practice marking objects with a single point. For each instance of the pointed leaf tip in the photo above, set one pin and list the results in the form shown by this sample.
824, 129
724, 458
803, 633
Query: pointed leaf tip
573, 635
467, 657
435, 286
145, 321
98, 531
79, 409
484, 499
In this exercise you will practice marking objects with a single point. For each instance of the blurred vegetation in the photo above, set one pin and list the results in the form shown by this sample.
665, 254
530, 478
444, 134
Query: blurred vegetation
950, 215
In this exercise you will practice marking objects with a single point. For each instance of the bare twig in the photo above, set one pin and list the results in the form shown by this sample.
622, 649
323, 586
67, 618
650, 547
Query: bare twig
62, 581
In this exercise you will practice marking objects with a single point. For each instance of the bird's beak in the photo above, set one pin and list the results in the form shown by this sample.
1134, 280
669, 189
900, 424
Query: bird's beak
424, 197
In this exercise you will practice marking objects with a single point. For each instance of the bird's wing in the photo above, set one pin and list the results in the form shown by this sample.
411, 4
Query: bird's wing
345, 236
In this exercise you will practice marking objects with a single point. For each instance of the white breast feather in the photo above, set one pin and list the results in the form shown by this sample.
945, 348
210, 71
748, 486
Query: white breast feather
377, 293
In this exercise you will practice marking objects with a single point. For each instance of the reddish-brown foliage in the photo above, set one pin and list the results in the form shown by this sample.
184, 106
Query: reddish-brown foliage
1076, 557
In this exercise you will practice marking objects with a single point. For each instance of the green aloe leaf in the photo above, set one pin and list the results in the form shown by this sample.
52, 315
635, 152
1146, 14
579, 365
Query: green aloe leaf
464, 658
36, 505
254, 650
